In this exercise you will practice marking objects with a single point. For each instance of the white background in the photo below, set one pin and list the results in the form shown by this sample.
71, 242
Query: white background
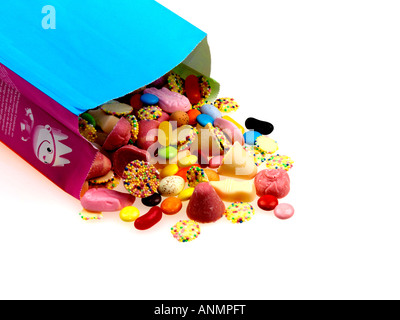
327, 75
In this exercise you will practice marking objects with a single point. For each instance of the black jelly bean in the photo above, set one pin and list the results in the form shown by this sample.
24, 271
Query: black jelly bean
152, 200
262, 127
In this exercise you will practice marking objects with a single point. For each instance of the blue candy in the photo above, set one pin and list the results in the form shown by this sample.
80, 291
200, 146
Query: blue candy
211, 110
204, 119
149, 99
250, 137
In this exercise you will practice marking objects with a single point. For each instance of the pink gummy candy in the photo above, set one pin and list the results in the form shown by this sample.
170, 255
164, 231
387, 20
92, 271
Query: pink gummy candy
106, 200
170, 101
205, 205
275, 182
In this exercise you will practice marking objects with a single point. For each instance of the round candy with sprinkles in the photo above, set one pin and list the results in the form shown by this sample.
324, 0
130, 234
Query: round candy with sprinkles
279, 162
186, 230
186, 136
259, 156
103, 179
266, 144
150, 113
88, 215
239, 212
217, 133
113, 183
135, 127
142, 179
205, 87
226, 104
117, 109
196, 175
176, 83
87, 130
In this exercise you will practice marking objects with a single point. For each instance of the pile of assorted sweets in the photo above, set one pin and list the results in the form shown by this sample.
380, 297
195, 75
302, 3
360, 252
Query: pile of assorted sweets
168, 143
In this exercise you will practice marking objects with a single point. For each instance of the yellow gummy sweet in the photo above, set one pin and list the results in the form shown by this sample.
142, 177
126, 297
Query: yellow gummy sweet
235, 191
169, 170
165, 133
238, 163
129, 214
187, 161
186, 194
235, 123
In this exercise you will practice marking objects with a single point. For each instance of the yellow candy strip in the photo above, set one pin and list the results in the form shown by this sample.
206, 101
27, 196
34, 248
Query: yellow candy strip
240, 127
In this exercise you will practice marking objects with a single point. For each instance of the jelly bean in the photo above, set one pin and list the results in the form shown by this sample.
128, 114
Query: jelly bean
192, 88
171, 186
193, 113
169, 170
129, 214
89, 118
267, 202
250, 137
149, 99
211, 110
167, 152
136, 102
262, 127
186, 194
149, 219
284, 211
171, 206
187, 161
164, 133
153, 200
180, 117
204, 119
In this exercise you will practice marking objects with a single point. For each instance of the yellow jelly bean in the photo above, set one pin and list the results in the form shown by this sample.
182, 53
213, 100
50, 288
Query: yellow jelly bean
235, 123
165, 133
169, 170
187, 161
186, 194
129, 214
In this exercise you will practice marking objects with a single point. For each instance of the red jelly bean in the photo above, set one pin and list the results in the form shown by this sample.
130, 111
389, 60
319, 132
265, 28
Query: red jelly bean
149, 219
268, 202
192, 88
136, 103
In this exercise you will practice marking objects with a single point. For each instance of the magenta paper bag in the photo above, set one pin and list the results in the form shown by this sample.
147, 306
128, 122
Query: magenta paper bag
29, 126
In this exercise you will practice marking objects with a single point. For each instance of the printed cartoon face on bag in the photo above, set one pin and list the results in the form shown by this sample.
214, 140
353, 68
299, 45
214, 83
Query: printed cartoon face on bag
47, 144
48, 147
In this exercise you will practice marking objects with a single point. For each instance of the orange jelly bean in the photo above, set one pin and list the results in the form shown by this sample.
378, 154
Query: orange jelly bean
171, 205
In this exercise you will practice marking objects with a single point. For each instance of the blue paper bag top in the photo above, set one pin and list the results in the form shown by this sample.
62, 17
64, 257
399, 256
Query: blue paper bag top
98, 51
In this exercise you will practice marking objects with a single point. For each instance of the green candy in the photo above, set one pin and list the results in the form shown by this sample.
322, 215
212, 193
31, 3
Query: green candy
89, 118
167, 152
